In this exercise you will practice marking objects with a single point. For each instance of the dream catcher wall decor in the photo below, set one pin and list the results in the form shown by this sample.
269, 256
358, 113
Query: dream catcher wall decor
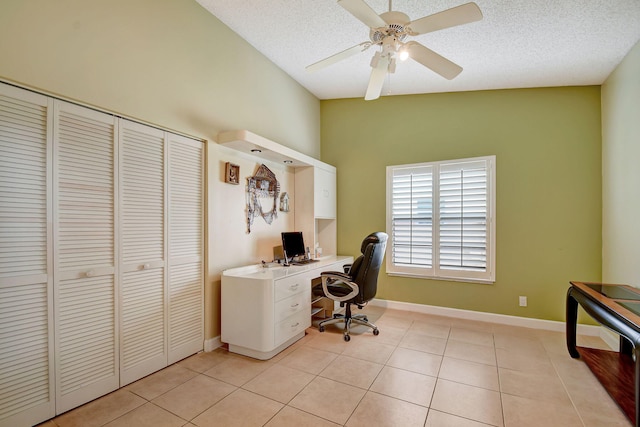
263, 187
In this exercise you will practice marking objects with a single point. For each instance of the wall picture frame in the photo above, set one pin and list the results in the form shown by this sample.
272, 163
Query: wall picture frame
231, 173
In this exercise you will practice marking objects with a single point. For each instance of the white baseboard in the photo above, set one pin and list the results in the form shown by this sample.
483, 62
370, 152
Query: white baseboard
526, 322
212, 343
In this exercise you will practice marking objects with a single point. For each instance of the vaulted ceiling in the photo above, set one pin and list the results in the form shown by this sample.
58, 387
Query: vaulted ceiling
517, 44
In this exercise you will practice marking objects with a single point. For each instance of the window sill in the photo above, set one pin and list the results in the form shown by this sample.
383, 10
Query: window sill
444, 278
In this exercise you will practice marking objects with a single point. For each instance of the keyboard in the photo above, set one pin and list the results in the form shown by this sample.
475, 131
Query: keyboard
304, 261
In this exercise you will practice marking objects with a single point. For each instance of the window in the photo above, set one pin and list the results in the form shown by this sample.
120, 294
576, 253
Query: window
441, 219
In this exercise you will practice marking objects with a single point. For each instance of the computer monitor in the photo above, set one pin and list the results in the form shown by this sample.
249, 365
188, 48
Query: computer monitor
293, 244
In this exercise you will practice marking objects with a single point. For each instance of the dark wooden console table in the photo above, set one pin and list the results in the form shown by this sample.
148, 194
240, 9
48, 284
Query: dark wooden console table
618, 308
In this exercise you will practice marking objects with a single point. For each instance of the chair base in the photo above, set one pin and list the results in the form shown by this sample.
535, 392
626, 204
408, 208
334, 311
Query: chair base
348, 319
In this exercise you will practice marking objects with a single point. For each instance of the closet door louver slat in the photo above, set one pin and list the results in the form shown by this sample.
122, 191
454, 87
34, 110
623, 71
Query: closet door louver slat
142, 194
186, 164
85, 310
26, 317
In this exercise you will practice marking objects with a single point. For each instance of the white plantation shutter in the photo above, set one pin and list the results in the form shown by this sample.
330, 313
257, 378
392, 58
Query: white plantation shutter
412, 216
86, 344
463, 216
142, 226
440, 218
186, 233
26, 315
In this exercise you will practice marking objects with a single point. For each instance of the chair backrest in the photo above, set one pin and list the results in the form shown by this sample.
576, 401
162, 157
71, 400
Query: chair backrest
364, 270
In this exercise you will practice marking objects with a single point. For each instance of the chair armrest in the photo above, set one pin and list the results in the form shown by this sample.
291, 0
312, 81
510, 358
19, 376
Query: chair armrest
334, 276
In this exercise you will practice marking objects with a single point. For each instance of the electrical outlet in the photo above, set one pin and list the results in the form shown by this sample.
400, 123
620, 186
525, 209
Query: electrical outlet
523, 301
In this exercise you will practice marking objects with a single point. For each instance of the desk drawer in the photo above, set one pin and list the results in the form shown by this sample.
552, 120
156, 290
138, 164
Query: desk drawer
292, 325
289, 286
291, 305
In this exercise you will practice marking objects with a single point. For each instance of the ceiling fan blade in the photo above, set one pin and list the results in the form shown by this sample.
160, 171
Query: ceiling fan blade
378, 73
363, 12
459, 15
338, 57
432, 60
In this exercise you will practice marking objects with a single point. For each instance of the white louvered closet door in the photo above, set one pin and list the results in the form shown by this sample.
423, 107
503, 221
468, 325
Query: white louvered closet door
26, 280
84, 266
143, 313
186, 233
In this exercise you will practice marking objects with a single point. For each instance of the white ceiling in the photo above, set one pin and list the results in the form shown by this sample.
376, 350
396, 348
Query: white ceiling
518, 44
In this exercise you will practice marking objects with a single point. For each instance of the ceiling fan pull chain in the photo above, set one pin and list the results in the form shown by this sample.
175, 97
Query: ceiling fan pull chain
390, 5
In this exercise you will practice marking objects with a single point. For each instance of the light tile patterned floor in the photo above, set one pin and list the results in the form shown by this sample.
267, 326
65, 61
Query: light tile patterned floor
421, 370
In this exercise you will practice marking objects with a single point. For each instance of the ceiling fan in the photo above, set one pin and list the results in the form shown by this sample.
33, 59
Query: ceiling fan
389, 31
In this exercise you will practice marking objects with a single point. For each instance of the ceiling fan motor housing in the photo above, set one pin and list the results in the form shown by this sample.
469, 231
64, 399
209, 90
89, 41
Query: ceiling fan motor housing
396, 23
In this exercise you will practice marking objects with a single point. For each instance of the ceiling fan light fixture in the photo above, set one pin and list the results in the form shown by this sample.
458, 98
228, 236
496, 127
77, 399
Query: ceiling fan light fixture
403, 54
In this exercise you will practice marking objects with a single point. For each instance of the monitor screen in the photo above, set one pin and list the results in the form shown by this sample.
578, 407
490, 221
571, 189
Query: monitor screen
293, 244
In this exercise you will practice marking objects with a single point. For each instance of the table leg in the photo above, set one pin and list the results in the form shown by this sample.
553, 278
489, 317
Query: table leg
636, 353
626, 347
572, 320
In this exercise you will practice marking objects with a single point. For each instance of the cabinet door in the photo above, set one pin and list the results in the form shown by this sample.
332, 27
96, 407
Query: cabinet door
186, 239
26, 280
84, 266
143, 346
324, 193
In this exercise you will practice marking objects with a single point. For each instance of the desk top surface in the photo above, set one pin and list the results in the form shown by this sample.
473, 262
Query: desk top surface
258, 271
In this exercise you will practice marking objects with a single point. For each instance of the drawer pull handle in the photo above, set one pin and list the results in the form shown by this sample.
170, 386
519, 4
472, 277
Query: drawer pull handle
296, 325
294, 287
295, 305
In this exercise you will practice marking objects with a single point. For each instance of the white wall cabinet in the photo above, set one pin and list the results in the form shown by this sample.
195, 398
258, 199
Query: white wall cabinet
101, 253
315, 206
324, 189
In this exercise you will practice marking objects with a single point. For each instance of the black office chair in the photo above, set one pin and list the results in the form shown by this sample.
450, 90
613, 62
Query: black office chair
357, 285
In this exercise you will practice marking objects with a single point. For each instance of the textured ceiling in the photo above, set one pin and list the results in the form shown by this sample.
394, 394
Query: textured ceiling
518, 43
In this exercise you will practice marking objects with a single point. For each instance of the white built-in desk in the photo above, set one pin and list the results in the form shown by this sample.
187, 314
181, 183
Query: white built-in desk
265, 310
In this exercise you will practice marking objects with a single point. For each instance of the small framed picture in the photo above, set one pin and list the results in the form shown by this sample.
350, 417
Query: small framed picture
232, 173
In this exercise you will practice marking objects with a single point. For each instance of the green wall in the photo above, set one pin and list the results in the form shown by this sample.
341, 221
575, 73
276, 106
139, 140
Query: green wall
548, 153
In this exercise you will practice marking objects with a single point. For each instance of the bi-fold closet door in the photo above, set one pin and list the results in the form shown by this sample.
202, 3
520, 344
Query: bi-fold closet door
84, 245
161, 235
101, 253
143, 228
26, 261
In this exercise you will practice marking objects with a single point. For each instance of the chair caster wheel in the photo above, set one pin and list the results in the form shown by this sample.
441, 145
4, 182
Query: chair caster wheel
376, 332
347, 338
366, 319
321, 328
